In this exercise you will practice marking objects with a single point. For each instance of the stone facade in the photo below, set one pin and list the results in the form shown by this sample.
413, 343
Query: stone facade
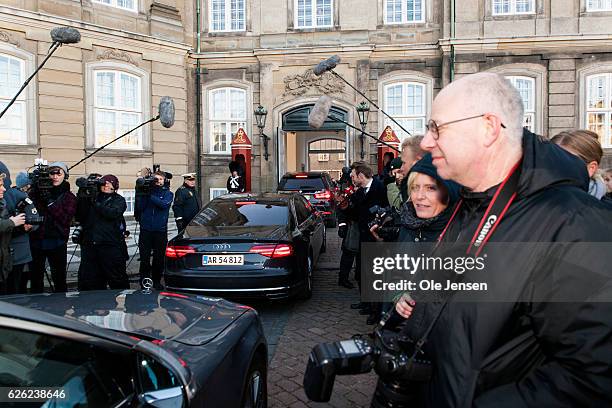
558, 46
151, 43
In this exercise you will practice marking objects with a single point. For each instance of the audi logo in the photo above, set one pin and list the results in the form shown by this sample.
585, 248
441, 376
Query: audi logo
222, 247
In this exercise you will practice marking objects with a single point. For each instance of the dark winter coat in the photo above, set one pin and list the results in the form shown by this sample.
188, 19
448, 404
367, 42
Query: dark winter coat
360, 204
471, 342
152, 210
6, 229
58, 210
102, 221
186, 205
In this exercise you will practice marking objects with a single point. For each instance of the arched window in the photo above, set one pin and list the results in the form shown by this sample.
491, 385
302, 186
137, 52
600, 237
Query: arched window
407, 103
227, 113
526, 87
598, 112
13, 125
118, 100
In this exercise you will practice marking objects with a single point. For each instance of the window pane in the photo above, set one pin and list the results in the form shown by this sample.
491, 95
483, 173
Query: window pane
596, 123
12, 124
414, 10
597, 90
304, 13
219, 137
324, 12
106, 125
238, 104
129, 91
234, 129
128, 4
394, 100
219, 104
524, 6
10, 77
525, 87
414, 100
130, 121
218, 15
528, 121
501, 6
105, 89
237, 14
394, 11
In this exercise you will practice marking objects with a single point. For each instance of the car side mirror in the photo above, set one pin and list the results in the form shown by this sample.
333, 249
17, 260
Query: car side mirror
166, 398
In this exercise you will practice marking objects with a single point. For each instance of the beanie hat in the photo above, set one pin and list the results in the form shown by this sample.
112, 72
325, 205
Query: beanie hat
111, 179
396, 163
22, 179
425, 166
60, 165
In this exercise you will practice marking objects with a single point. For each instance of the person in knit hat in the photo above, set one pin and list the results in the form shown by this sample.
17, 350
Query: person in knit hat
102, 240
22, 181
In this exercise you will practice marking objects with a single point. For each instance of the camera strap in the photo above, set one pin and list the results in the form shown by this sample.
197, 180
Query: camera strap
501, 201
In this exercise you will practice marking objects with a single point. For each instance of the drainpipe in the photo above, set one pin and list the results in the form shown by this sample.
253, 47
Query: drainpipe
198, 112
452, 35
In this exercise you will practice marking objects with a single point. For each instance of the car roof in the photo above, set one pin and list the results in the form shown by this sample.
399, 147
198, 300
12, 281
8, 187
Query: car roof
264, 197
306, 173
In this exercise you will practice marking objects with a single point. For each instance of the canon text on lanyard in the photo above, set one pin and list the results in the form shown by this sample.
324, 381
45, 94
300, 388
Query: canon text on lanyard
503, 197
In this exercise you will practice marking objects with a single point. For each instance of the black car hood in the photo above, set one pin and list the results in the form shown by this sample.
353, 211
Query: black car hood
156, 316
250, 232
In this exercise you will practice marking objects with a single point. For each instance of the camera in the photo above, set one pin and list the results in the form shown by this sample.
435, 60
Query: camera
387, 219
32, 217
41, 180
89, 186
145, 183
76, 234
395, 357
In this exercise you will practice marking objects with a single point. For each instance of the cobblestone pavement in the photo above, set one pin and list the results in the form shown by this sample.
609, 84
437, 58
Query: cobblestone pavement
325, 317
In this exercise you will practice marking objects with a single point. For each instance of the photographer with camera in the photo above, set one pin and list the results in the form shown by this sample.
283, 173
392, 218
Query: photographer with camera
186, 202
371, 192
347, 228
100, 214
7, 224
152, 207
17, 202
50, 242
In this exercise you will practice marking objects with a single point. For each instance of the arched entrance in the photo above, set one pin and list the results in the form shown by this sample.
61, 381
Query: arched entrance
308, 149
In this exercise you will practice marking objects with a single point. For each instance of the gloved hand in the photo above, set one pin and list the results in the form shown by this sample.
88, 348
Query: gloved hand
179, 225
342, 230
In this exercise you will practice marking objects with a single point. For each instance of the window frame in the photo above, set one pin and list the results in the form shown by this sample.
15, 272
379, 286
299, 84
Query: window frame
129, 198
513, 11
533, 111
606, 138
590, 9
114, 4
227, 18
213, 190
405, 77
91, 100
313, 7
404, 8
226, 121
29, 96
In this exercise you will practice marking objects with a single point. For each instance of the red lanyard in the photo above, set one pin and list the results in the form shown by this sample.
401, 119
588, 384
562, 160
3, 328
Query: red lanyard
503, 197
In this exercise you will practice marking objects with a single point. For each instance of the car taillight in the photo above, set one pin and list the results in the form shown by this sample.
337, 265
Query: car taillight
323, 195
178, 251
273, 250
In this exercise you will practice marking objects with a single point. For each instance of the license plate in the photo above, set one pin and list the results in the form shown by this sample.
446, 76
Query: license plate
222, 260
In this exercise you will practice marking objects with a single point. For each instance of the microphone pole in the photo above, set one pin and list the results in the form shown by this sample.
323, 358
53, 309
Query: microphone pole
113, 141
336, 119
369, 100
54, 47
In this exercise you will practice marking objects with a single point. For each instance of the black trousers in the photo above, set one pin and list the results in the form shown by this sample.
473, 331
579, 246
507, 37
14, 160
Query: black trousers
152, 241
57, 261
15, 282
102, 266
346, 264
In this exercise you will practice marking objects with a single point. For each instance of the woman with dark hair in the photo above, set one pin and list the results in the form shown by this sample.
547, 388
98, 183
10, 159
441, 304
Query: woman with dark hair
585, 144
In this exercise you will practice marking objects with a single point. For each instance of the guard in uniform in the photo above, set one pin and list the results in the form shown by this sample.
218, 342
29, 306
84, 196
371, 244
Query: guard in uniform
186, 201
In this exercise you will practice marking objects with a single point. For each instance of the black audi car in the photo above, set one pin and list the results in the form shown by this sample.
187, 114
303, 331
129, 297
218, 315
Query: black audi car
317, 187
248, 245
131, 349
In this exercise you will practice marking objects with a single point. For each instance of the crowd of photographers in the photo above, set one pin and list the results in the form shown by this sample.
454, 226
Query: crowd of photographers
39, 209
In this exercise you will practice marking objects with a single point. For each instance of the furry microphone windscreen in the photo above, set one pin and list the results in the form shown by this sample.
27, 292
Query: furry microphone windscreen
166, 111
65, 35
320, 112
327, 65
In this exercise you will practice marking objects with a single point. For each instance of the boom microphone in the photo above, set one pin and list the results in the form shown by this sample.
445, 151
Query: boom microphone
327, 65
166, 111
320, 112
65, 35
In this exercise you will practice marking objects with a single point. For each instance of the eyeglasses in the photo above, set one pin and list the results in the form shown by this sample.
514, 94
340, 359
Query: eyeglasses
55, 172
434, 128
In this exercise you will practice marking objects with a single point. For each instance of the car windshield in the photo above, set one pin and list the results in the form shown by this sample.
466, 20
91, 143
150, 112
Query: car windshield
310, 184
225, 213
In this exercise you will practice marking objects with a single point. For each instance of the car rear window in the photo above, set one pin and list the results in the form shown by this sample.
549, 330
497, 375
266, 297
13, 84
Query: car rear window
297, 184
224, 213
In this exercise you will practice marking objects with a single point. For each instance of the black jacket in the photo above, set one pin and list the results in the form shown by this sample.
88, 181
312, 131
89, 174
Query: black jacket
102, 221
360, 204
186, 204
475, 346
